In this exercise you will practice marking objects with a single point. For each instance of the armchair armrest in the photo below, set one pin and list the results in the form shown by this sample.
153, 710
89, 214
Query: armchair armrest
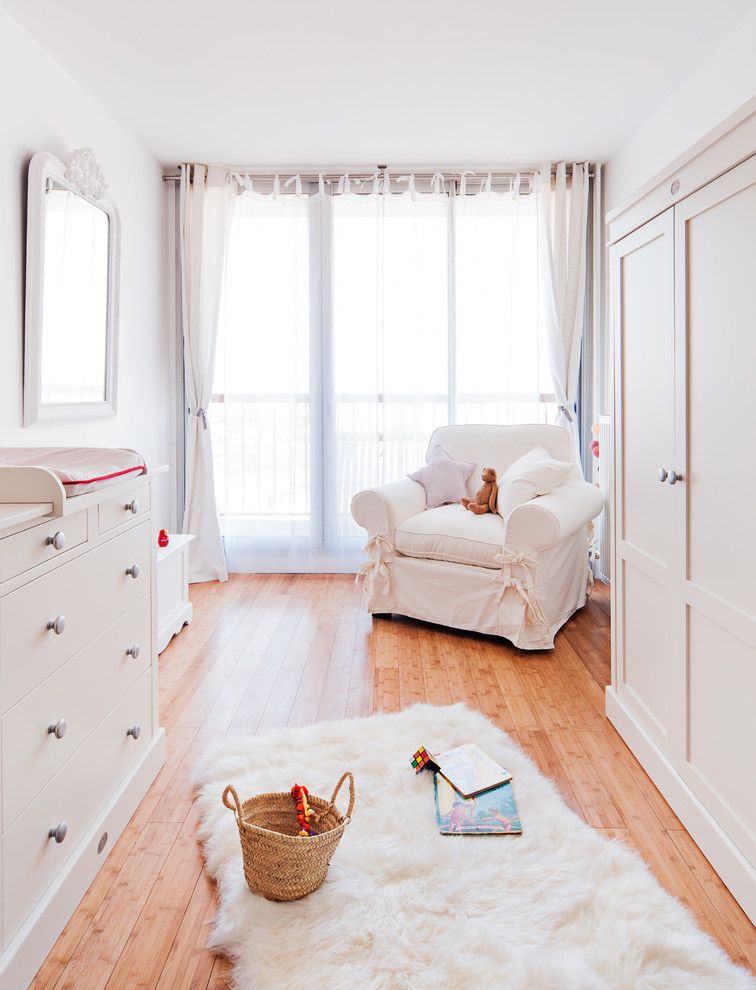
380, 510
545, 521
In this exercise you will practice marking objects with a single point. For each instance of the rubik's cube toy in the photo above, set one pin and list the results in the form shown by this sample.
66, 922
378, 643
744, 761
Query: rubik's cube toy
422, 759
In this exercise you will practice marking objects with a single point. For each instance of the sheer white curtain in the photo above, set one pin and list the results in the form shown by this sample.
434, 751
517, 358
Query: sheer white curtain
502, 372
267, 388
204, 219
356, 317
389, 338
563, 217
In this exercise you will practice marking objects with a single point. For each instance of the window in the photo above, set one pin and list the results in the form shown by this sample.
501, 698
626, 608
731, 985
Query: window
351, 326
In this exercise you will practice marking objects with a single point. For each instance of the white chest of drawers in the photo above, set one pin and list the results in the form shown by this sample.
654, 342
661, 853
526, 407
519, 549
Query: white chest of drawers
79, 736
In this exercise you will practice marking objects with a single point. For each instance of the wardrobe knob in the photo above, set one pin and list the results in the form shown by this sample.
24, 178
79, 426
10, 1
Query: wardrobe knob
133, 651
57, 625
133, 571
58, 832
135, 731
132, 506
662, 475
674, 477
58, 540
57, 729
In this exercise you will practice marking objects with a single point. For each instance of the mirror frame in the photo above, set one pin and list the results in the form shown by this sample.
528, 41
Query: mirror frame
83, 177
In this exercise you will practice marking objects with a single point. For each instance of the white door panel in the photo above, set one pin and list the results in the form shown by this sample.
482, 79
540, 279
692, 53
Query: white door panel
721, 727
649, 668
715, 315
646, 370
646, 677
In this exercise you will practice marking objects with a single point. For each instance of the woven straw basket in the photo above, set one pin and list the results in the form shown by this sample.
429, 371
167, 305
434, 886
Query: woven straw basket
278, 863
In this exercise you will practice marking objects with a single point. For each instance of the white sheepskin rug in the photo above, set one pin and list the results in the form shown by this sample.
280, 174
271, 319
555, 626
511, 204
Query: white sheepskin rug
403, 908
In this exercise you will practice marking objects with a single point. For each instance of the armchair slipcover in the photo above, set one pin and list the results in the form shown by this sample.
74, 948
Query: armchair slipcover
521, 577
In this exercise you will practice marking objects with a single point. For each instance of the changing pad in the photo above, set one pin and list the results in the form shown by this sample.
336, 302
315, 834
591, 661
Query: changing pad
80, 469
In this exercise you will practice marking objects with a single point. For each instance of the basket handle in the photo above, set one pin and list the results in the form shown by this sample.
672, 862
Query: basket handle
236, 807
336, 790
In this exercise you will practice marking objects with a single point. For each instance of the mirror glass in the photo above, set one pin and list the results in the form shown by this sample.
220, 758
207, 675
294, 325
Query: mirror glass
73, 350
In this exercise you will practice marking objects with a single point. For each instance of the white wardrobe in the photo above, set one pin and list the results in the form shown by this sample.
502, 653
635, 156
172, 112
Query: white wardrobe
683, 308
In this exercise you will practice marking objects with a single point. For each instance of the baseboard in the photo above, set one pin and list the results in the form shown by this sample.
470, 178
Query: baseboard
28, 949
175, 622
729, 862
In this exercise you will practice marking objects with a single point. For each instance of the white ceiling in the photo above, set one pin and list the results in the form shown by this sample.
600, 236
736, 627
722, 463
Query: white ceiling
349, 81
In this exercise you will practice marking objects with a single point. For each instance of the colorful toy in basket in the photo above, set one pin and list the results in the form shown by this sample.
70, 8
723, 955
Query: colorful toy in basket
305, 815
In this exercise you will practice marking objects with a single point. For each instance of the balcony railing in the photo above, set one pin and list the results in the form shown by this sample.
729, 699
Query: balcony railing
276, 455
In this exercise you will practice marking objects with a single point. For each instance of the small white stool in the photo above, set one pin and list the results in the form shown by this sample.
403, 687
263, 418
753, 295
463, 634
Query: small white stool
174, 610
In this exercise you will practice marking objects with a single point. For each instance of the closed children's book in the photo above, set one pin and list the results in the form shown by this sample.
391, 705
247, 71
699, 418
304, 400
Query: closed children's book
470, 771
493, 812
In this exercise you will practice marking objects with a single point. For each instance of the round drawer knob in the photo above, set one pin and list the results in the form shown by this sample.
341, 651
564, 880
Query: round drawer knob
674, 477
133, 651
57, 540
58, 832
57, 729
135, 731
133, 571
662, 475
132, 506
58, 625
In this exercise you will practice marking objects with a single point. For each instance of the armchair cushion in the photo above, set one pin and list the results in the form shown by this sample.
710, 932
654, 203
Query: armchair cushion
451, 533
535, 473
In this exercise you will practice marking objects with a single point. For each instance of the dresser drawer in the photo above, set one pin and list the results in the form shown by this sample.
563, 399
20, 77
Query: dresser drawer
123, 508
31, 859
74, 699
34, 546
89, 593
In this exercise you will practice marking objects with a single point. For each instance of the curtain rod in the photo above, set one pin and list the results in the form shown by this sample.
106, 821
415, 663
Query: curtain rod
421, 172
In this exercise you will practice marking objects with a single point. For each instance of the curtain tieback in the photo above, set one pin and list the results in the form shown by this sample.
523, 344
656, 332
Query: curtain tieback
567, 412
523, 588
201, 415
381, 553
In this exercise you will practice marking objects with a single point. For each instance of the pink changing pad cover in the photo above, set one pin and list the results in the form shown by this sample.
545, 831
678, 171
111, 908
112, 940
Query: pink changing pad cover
80, 469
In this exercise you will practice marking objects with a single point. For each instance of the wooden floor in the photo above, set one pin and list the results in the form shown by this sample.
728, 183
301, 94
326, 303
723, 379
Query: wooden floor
274, 650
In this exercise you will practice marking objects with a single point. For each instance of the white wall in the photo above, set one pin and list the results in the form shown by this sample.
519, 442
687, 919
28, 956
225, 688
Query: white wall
721, 84
44, 109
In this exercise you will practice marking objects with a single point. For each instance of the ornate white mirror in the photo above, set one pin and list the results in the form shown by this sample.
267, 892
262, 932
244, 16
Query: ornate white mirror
72, 263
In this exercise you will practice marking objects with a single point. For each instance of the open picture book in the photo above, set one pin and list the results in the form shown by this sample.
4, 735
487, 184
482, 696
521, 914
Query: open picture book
469, 770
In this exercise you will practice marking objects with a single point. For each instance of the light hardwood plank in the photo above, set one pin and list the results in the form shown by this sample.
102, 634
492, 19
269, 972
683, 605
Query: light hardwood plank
271, 650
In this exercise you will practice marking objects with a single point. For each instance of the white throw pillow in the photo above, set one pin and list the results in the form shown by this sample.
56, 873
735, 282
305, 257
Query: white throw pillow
535, 473
443, 478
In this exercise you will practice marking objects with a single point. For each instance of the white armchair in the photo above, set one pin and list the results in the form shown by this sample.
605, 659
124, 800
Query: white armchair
520, 577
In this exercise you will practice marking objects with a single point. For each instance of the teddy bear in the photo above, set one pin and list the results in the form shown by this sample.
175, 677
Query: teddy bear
485, 497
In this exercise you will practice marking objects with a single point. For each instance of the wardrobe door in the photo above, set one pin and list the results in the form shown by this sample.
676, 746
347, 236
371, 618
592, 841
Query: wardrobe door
648, 618
715, 253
